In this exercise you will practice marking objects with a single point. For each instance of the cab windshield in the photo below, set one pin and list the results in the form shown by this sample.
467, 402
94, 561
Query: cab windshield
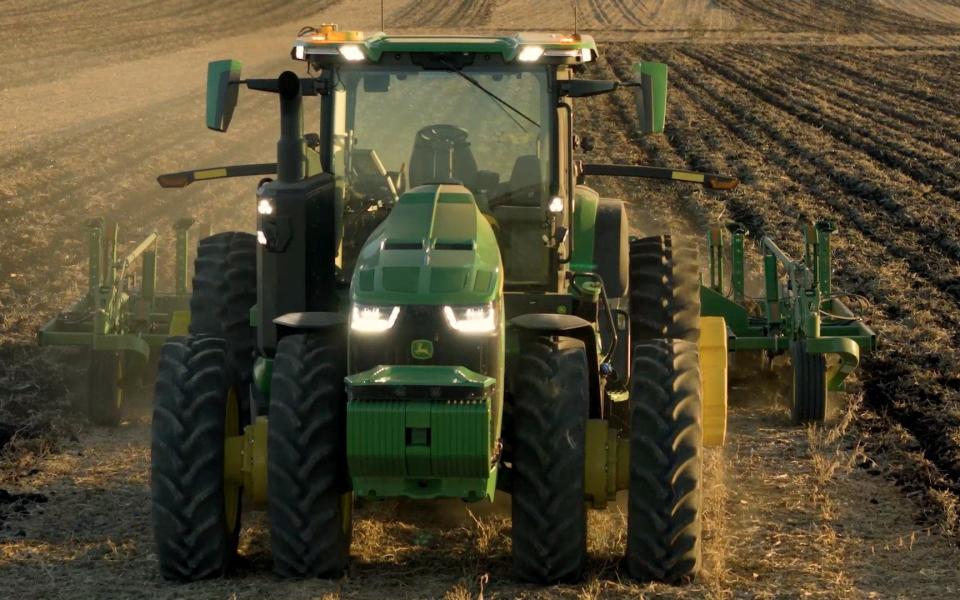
437, 126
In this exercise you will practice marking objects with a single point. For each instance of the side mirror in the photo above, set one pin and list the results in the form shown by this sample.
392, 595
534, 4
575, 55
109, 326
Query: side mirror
223, 86
651, 95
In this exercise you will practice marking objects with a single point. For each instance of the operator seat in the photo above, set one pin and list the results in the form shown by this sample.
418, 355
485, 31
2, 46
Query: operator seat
519, 212
441, 154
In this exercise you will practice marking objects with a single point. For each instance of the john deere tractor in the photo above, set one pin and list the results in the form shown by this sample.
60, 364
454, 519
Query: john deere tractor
434, 305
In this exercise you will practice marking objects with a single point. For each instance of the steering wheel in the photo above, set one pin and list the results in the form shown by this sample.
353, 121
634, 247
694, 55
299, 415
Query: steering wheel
448, 135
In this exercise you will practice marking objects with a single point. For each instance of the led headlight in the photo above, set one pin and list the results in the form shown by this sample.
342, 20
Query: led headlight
373, 319
530, 53
471, 319
352, 52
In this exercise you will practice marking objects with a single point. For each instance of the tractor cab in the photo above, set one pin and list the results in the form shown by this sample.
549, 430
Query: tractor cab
484, 113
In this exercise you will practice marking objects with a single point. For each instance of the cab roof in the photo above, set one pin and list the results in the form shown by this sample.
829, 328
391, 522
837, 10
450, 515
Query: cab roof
529, 47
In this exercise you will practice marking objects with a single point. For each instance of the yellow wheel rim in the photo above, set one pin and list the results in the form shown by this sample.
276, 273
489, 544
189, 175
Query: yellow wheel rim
713, 377
231, 489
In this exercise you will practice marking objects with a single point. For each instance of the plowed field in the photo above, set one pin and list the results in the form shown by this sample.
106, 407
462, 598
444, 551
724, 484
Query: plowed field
840, 110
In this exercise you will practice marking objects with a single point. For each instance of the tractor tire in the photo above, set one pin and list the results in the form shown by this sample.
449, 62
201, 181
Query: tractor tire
664, 290
664, 506
550, 409
809, 385
611, 247
224, 291
195, 531
308, 486
105, 388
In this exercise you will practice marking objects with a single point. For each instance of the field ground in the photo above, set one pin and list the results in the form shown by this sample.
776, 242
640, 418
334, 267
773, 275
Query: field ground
833, 109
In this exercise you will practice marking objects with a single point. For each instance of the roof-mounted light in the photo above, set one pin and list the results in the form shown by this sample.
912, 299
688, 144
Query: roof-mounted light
584, 54
352, 52
530, 53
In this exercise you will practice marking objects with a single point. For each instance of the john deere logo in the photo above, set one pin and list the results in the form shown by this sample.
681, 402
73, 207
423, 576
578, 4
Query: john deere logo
421, 349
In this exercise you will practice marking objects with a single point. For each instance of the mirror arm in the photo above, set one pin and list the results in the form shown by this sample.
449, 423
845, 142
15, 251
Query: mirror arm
185, 178
708, 180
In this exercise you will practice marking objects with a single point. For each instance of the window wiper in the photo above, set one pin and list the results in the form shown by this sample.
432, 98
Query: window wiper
503, 104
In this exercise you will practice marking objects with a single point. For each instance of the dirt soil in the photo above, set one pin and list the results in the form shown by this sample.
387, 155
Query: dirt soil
840, 110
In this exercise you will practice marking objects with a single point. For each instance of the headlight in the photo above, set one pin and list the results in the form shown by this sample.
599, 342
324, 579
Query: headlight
530, 54
373, 319
352, 52
471, 319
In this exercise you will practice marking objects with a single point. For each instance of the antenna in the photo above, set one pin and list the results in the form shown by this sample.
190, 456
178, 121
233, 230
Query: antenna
576, 16
381, 15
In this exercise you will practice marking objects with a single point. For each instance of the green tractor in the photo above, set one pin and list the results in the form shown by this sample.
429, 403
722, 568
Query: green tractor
434, 305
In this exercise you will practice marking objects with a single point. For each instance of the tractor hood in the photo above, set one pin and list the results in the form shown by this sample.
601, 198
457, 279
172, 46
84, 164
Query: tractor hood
435, 247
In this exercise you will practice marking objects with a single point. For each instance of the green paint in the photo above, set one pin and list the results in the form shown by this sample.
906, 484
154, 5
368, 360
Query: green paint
420, 432
262, 372
584, 222
223, 77
435, 247
654, 79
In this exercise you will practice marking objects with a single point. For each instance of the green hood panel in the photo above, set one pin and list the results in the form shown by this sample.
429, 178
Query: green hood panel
435, 247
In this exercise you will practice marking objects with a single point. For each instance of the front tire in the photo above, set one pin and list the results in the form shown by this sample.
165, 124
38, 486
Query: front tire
551, 402
195, 530
664, 513
308, 485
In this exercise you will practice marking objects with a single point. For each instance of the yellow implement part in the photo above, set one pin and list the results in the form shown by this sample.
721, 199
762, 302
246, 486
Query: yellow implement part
180, 322
607, 464
713, 376
245, 463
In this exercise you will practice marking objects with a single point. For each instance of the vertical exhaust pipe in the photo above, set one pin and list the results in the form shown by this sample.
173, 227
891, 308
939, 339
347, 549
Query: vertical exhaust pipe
291, 146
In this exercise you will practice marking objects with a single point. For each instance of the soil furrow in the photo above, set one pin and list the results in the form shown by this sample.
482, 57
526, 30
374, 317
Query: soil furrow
843, 16
867, 100
906, 75
884, 151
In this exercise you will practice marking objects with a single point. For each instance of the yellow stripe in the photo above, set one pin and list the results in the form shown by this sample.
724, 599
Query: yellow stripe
686, 176
210, 174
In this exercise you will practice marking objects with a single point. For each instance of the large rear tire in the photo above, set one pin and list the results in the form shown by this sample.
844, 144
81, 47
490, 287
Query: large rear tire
664, 513
308, 485
196, 517
664, 290
809, 385
224, 291
550, 409
105, 387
